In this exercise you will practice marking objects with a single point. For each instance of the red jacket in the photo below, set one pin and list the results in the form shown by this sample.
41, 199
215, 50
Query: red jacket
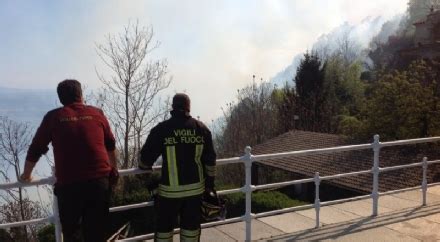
80, 136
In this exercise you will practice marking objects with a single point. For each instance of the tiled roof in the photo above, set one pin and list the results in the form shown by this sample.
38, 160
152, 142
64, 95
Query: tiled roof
343, 162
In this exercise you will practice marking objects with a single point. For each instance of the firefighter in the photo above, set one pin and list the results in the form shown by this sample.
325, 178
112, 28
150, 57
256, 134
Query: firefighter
188, 170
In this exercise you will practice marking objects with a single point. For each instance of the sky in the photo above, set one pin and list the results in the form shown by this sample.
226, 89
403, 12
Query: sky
212, 47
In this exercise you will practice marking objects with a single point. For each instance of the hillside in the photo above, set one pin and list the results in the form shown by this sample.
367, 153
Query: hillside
359, 35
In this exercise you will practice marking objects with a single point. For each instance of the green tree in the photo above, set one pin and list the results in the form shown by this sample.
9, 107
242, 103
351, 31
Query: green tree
284, 101
334, 91
309, 82
405, 104
344, 94
5, 236
47, 233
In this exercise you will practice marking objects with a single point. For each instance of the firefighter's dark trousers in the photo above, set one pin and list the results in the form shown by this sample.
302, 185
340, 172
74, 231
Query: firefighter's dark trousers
168, 211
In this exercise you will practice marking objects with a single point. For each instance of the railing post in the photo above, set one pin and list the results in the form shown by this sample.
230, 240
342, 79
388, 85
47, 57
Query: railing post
317, 200
56, 214
248, 190
424, 180
375, 169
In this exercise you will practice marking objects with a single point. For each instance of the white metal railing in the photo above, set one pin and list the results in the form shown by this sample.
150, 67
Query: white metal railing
55, 219
248, 188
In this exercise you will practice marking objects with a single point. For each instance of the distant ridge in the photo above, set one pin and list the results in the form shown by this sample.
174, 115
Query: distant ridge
27, 105
6, 89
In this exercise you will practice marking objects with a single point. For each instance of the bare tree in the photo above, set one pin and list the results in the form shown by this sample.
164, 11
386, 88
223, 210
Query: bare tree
131, 94
15, 138
347, 48
13, 209
250, 121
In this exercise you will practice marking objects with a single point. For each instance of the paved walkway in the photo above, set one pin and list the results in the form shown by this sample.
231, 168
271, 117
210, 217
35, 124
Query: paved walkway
401, 218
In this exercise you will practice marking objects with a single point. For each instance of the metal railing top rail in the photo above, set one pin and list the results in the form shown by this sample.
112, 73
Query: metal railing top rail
27, 222
434, 162
282, 184
229, 160
248, 159
393, 168
37, 182
311, 152
293, 182
136, 171
131, 206
409, 141
342, 148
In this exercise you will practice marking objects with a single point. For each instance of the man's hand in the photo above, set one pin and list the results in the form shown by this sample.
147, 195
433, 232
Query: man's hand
113, 178
209, 183
26, 175
144, 167
25, 178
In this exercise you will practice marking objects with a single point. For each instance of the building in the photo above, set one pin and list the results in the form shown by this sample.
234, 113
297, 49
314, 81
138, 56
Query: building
426, 42
428, 31
342, 162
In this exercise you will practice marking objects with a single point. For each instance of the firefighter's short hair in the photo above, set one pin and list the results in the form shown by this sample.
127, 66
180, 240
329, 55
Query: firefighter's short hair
69, 91
181, 101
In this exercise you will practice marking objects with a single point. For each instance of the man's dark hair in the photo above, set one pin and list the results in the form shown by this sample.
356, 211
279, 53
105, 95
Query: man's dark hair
69, 91
181, 102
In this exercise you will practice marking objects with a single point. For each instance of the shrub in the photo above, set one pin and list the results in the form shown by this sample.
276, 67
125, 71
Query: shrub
261, 202
139, 196
46, 233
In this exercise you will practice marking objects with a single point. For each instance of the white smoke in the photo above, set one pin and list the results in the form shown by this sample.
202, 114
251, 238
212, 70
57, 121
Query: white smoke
360, 36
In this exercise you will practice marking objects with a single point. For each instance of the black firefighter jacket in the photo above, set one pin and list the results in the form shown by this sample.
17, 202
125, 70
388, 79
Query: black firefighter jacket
188, 156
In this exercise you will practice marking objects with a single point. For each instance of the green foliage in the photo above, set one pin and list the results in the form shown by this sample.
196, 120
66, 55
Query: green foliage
352, 88
344, 96
261, 202
350, 126
309, 89
141, 219
131, 198
309, 79
134, 188
46, 233
405, 104
325, 92
285, 104
5, 236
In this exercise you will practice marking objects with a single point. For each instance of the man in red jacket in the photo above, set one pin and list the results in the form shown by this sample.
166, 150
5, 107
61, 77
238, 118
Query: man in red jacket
84, 152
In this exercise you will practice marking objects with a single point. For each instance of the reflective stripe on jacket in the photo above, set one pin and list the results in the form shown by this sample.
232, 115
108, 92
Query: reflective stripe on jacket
187, 153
